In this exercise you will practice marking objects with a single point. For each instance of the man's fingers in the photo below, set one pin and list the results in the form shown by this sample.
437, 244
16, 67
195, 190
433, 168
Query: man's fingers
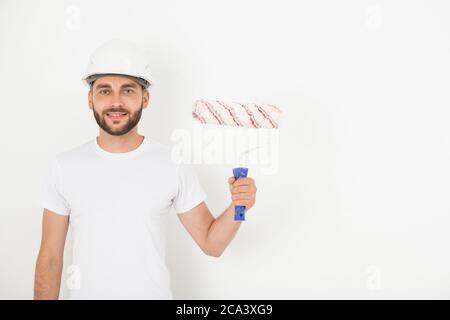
242, 196
244, 189
243, 181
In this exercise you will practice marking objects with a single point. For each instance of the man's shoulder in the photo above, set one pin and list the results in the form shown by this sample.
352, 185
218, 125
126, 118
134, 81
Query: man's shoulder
159, 147
160, 152
74, 153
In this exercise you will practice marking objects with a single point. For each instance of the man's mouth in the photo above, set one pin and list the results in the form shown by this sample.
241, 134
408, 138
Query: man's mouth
116, 115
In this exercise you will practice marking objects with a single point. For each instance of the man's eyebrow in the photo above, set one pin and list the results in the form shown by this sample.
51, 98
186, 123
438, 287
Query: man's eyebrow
102, 86
130, 84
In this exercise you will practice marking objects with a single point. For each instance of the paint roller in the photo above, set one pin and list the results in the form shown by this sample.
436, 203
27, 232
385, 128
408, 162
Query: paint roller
236, 114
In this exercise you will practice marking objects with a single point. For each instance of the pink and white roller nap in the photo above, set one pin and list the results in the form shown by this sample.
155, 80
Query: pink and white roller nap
248, 115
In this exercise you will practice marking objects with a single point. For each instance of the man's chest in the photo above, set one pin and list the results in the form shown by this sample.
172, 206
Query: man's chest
105, 192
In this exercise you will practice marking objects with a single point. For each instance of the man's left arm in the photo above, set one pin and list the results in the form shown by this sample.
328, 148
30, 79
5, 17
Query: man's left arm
211, 234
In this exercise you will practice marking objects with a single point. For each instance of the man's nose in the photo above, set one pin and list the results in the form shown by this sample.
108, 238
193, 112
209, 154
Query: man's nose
116, 100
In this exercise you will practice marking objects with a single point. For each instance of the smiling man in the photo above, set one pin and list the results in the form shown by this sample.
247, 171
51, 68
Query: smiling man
115, 192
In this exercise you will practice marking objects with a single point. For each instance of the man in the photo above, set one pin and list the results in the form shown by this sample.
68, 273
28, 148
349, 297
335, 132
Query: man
116, 190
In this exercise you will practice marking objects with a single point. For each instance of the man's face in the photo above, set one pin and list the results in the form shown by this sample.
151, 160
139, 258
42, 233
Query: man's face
117, 102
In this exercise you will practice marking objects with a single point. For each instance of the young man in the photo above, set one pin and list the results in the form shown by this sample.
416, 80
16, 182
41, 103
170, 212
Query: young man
115, 192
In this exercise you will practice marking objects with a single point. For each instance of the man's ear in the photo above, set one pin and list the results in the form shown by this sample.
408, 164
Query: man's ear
90, 99
145, 98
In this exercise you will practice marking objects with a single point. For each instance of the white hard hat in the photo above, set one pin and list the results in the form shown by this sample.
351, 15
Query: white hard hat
119, 57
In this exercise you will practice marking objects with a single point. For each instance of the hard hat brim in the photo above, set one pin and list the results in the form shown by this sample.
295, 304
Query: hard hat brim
89, 79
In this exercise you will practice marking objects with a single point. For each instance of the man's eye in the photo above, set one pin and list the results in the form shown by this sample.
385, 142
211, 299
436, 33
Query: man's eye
104, 91
128, 91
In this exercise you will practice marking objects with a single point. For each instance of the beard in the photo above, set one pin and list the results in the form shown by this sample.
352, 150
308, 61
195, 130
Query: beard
133, 120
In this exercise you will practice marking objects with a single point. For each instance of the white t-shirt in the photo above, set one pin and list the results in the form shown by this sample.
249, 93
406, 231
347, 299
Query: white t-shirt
118, 204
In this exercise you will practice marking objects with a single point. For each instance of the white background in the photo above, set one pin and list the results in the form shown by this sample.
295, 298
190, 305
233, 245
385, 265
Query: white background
359, 206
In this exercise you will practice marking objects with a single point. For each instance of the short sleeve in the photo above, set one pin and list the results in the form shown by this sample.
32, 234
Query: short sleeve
52, 195
190, 192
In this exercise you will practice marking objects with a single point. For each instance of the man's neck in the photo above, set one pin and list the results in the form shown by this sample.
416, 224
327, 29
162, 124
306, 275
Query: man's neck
119, 144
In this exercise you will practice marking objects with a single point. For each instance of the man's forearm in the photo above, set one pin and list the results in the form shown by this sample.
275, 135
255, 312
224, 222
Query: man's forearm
222, 231
47, 278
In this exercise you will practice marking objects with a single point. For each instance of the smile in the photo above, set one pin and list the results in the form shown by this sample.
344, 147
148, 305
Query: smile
116, 115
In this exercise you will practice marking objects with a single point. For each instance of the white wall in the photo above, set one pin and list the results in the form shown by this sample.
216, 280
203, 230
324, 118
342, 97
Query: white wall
359, 206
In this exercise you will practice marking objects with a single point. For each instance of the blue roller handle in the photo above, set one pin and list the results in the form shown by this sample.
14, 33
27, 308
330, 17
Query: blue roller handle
239, 211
